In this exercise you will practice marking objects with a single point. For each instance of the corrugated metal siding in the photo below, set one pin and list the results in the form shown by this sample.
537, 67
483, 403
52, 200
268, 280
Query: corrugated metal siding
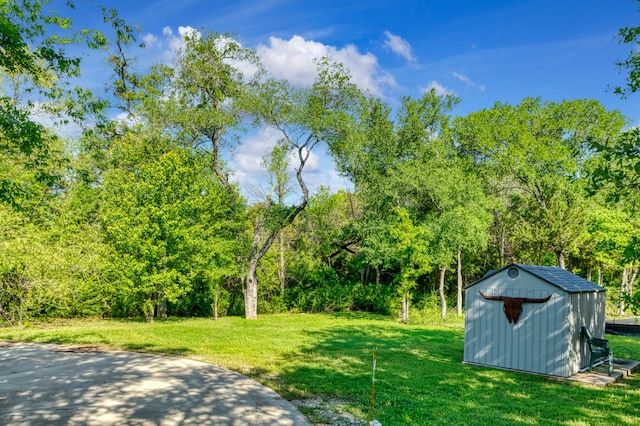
587, 309
537, 343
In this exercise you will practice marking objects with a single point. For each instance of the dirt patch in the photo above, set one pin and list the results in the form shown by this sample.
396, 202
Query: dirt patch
78, 349
327, 413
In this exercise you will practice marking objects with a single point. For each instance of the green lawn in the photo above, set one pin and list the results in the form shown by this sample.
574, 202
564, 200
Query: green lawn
420, 378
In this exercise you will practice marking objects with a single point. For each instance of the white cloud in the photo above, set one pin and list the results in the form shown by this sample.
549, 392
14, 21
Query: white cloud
62, 125
254, 181
151, 40
466, 80
293, 60
248, 156
328, 177
175, 42
399, 46
440, 89
463, 78
188, 31
126, 118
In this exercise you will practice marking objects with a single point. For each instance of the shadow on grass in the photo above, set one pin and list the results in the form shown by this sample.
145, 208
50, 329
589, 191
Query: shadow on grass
84, 338
152, 348
420, 379
94, 338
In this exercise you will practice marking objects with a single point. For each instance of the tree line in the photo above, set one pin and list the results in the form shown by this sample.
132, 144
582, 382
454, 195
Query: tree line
141, 216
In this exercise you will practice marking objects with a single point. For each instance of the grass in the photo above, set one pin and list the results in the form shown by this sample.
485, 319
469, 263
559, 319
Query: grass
420, 378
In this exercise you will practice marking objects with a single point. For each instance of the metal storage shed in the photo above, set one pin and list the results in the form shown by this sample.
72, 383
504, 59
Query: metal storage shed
529, 318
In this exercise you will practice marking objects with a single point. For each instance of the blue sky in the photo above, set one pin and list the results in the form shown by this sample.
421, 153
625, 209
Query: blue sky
481, 51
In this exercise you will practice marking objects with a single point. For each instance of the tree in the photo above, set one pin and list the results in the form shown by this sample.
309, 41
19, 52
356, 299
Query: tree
534, 154
617, 174
305, 118
324, 231
322, 253
277, 164
614, 188
53, 261
30, 58
410, 164
201, 99
411, 249
30, 44
170, 222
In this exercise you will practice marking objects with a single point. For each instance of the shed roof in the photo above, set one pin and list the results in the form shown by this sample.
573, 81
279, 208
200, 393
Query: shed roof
554, 275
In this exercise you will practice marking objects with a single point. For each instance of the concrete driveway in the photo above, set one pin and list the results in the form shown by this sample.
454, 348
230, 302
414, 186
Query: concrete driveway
44, 384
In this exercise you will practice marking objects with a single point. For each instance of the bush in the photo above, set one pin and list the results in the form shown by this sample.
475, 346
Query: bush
377, 298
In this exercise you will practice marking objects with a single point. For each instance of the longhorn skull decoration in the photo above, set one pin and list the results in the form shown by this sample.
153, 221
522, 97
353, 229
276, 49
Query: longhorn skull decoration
513, 305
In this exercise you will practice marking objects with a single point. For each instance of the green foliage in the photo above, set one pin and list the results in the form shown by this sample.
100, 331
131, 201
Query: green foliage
52, 262
31, 159
170, 222
132, 217
35, 65
534, 157
27, 47
631, 64
411, 245
421, 202
50, 271
609, 235
125, 83
618, 173
200, 99
325, 296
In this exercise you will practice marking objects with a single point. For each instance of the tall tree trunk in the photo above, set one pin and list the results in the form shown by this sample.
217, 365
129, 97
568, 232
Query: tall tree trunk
149, 309
216, 295
251, 279
600, 277
282, 265
161, 308
632, 280
459, 268
405, 308
161, 304
251, 290
623, 290
443, 299
589, 272
502, 250
540, 254
501, 239
560, 257
629, 276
